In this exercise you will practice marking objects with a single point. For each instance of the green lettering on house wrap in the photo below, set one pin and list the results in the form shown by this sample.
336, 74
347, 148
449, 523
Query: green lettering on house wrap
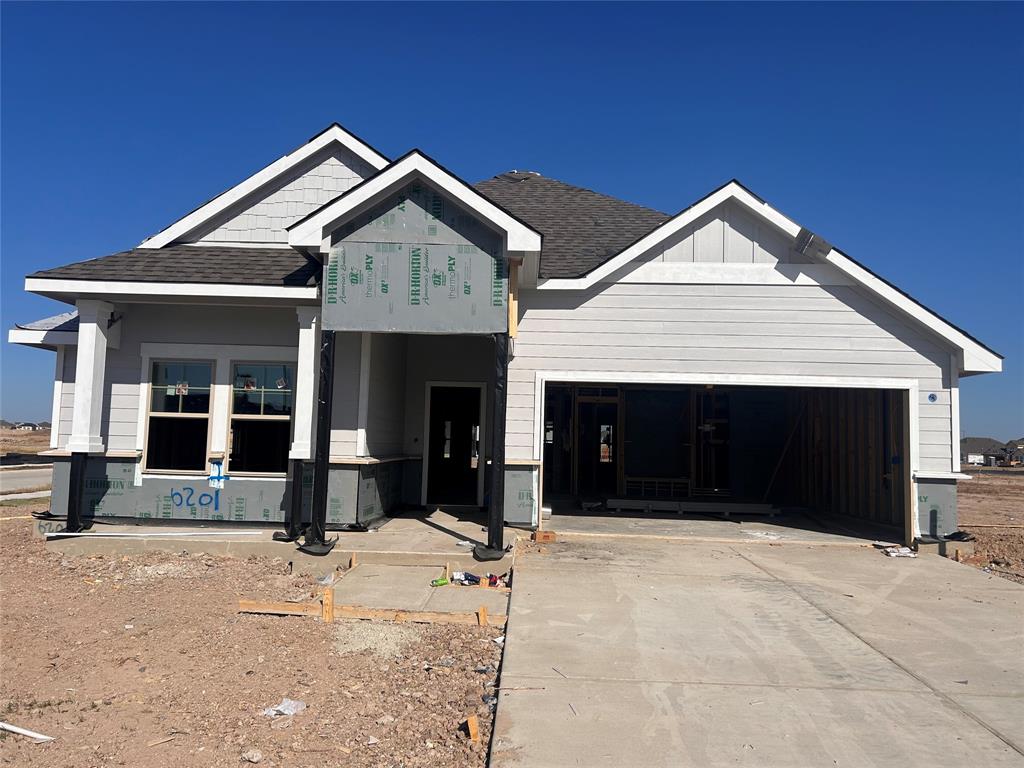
497, 288
332, 279
415, 259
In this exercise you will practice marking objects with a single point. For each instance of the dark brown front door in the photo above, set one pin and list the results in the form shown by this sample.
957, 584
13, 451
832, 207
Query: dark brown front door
453, 453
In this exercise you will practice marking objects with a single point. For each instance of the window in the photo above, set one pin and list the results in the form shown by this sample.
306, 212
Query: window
261, 415
607, 443
179, 415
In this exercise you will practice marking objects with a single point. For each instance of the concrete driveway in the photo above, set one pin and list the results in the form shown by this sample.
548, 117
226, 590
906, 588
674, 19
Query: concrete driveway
645, 652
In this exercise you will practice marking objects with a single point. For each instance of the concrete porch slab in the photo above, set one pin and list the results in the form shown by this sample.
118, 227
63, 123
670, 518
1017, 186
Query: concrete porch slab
420, 539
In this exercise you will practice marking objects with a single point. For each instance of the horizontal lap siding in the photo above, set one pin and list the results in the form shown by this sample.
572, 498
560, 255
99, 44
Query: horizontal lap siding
725, 329
385, 418
345, 407
67, 397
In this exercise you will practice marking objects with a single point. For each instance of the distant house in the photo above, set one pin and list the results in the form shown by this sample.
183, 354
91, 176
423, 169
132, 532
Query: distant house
987, 451
27, 426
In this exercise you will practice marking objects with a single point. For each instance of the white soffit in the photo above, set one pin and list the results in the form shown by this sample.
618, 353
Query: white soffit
311, 231
974, 356
335, 134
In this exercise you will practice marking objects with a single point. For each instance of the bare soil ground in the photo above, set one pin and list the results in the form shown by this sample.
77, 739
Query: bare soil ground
143, 661
995, 500
17, 446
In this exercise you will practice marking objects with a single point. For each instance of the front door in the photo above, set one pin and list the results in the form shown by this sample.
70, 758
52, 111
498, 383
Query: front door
453, 455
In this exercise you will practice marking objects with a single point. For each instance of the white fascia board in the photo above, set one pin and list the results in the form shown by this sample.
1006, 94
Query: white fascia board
45, 339
974, 358
311, 232
731, 191
88, 288
334, 134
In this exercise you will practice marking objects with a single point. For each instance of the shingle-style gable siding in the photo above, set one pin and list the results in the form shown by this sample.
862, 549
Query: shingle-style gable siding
265, 221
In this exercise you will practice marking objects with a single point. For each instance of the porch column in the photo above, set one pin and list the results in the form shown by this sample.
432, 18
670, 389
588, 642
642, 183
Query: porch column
305, 383
90, 368
303, 415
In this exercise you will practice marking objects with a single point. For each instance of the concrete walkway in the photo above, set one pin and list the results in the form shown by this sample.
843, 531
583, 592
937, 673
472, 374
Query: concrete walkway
639, 652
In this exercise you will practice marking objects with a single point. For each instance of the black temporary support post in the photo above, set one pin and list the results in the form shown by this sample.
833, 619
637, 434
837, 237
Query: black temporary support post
495, 548
315, 543
75, 489
293, 529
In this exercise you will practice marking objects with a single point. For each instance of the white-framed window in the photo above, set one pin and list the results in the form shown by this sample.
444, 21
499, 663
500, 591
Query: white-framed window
178, 415
262, 399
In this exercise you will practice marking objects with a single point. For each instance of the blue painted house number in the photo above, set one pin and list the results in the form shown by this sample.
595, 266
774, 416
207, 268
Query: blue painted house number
186, 497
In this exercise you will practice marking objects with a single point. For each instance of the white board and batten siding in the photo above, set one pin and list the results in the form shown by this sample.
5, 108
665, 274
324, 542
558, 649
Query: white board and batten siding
727, 235
812, 330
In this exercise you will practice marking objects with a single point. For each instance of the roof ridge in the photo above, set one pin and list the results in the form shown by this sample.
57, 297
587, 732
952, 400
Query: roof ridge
534, 175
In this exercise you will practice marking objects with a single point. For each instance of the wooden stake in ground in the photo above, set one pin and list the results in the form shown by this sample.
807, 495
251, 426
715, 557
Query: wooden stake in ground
328, 605
473, 727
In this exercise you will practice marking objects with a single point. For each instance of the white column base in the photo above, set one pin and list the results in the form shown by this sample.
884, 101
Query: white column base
300, 451
92, 445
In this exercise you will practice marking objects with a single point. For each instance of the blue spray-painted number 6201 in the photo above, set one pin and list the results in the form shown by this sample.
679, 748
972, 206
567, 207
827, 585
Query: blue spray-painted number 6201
186, 497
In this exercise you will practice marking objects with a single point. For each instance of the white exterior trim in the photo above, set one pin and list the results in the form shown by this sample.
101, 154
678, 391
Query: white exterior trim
58, 387
311, 231
954, 415
482, 462
90, 373
32, 338
204, 214
910, 387
45, 285
933, 475
306, 378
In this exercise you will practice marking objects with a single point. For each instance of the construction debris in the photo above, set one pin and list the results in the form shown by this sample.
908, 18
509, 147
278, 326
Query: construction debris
38, 738
285, 708
899, 552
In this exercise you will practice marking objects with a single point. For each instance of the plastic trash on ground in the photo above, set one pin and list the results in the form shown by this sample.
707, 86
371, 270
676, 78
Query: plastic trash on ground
286, 707
899, 552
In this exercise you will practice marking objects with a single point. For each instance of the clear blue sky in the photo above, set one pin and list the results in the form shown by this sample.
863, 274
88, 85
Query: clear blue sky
894, 131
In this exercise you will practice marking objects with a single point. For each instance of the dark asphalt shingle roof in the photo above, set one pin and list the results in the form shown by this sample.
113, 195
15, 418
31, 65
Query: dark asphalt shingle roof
195, 264
582, 229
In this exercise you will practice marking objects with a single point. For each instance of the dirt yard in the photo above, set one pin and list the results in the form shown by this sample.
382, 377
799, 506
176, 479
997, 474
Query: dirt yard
144, 661
17, 445
991, 507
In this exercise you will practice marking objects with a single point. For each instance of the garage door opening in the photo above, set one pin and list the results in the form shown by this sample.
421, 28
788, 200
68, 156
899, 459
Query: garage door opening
639, 449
